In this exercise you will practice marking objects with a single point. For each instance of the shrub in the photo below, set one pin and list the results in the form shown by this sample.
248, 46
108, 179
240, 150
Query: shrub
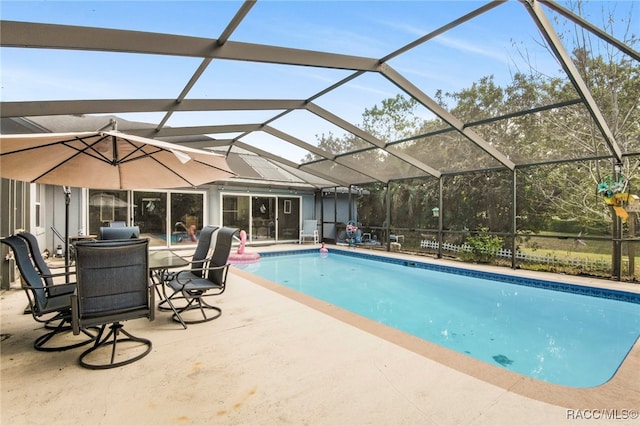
481, 247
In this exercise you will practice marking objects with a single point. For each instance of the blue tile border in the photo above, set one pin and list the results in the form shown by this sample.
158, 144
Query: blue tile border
619, 295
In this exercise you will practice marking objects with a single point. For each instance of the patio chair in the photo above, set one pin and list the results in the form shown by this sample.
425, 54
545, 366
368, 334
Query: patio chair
113, 286
53, 309
206, 278
197, 261
119, 233
42, 267
309, 230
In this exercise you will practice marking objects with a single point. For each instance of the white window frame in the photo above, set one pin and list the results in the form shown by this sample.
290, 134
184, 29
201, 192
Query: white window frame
37, 215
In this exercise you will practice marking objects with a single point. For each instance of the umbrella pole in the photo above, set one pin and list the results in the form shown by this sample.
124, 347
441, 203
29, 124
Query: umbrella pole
67, 200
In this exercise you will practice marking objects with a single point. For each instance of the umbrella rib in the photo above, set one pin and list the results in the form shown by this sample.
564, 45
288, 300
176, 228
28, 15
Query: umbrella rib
137, 149
78, 152
172, 171
211, 166
92, 147
31, 148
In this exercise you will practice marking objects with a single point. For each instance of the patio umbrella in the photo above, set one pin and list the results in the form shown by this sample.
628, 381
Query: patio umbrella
107, 160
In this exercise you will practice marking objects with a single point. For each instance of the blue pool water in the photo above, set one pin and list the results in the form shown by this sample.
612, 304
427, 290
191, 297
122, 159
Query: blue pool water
566, 337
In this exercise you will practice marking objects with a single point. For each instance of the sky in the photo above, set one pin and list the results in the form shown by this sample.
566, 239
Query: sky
492, 44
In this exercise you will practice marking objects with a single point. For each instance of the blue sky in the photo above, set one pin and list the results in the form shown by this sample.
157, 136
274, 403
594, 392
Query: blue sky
488, 45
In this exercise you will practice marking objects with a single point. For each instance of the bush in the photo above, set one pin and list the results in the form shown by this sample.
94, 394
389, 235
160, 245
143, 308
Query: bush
481, 247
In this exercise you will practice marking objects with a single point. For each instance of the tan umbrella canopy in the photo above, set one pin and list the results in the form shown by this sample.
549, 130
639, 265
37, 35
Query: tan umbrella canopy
108, 160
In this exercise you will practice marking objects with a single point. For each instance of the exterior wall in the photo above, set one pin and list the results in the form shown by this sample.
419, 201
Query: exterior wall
307, 199
53, 206
6, 267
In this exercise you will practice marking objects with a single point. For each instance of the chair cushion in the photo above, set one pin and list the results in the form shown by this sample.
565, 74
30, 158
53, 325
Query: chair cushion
57, 303
193, 282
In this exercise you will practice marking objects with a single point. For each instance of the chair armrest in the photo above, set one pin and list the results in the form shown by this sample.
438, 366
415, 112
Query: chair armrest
176, 277
59, 274
61, 289
207, 268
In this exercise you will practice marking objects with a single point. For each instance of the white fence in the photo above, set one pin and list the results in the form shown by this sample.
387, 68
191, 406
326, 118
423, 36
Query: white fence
581, 263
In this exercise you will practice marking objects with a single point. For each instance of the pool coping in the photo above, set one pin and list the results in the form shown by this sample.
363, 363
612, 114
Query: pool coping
621, 392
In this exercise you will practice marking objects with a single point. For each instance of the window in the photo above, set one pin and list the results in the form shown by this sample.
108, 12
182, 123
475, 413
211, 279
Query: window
186, 216
107, 206
165, 218
39, 208
235, 211
169, 218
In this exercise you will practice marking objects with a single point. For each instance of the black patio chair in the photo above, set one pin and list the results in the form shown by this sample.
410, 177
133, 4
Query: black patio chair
206, 278
113, 286
42, 267
197, 261
118, 233
53, 309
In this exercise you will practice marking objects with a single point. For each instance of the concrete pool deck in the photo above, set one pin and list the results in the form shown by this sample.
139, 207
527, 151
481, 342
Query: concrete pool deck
279, 357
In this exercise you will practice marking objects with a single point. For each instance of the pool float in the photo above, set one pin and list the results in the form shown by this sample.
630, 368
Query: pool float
240, 256
352, 233
613, 191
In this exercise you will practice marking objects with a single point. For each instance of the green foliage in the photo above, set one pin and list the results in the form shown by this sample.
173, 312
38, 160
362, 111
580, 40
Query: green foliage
482, 247
473, 200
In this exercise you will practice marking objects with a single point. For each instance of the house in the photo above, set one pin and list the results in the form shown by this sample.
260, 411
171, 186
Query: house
267, 199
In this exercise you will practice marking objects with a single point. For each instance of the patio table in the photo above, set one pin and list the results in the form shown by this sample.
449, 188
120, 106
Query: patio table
159, 264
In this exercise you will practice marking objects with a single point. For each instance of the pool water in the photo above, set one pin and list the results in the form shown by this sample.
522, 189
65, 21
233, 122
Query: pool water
559, 337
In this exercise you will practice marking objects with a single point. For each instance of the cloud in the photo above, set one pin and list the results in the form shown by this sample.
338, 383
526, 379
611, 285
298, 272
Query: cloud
485, 49
402, 26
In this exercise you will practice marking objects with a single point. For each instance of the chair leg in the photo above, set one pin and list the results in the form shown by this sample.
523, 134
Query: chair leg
198, 303
112, 339
162, 305
176, 311
61, 327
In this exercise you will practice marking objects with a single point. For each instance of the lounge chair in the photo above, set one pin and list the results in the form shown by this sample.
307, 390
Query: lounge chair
309, 230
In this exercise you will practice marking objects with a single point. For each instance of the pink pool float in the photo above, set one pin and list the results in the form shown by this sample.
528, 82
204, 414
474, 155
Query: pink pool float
323, 251
241, 256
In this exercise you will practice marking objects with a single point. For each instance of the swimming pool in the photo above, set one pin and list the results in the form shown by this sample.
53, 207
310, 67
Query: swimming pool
558, 333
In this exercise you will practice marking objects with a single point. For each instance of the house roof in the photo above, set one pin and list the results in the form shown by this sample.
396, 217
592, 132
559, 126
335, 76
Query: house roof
251, 169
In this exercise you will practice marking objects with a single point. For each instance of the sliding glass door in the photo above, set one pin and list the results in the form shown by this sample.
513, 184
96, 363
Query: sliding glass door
263, 218
288, 218
167, 218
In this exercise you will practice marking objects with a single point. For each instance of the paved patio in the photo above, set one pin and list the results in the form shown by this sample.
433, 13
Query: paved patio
276, 357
